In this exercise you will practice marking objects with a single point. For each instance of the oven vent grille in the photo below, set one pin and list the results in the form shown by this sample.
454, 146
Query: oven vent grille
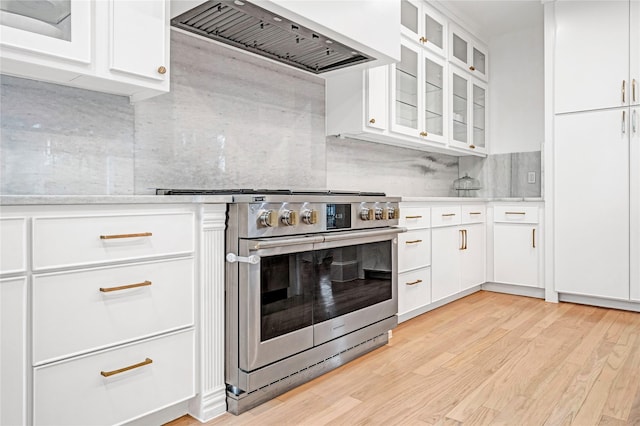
325, 364
252, 28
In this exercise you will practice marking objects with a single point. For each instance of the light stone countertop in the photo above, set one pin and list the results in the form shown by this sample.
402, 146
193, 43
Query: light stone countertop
471, 199
23, 200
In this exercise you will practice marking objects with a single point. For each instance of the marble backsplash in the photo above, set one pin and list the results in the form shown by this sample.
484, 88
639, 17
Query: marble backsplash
231, 120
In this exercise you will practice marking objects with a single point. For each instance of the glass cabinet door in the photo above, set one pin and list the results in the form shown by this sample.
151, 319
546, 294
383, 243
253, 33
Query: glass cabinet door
434, 83
405, 92
459, 108
468, 53
410, 19
479, 116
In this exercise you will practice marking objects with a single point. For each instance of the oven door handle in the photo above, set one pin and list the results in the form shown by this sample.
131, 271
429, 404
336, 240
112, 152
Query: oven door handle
341, 236
253, 259
282, 242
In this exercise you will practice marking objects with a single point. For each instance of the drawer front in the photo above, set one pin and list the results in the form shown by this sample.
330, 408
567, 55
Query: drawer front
72, 315
515, 214
414, 289
446, 216
474, 214
414, 217
414, 249
73, 241
13, 245
75, 392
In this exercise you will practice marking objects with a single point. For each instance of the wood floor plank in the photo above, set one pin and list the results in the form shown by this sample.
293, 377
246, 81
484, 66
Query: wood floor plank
486, 359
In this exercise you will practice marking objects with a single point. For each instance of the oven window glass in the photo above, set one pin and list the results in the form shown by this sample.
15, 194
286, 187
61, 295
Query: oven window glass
286, 293
351, 278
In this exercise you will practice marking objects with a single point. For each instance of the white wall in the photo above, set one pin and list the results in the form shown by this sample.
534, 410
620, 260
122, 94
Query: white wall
516, 97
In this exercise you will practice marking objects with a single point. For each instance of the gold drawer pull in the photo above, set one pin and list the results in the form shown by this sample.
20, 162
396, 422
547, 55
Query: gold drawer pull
131, 367
111, 237
125, 287
448, 214
414, 241
413, 217
515, 213
533, 237
475, 212
414, 282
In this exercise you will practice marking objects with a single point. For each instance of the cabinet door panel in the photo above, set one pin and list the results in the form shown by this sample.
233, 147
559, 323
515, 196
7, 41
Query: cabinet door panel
516, 254
635, 51
591, 220
377, 99
445, 262
586, 30
472, 258
635, 201
137, 24
406, 92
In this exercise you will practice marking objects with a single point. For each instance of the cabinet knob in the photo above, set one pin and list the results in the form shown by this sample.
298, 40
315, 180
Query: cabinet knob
423, 39
472, 68
162, 70
372, 121
424, 134
472, 146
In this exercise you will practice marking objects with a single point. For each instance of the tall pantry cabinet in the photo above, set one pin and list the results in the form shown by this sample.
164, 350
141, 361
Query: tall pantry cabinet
596, 148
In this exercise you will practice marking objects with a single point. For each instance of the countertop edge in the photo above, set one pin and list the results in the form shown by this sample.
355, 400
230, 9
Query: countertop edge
471, 199
31, 200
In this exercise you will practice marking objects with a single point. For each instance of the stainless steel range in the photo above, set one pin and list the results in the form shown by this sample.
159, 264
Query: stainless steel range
310, 285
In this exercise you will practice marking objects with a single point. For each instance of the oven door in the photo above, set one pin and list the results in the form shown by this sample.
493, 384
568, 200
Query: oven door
275, 309
356, 282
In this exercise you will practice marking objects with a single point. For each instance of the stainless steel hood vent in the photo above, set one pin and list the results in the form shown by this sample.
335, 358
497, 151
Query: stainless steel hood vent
252, 28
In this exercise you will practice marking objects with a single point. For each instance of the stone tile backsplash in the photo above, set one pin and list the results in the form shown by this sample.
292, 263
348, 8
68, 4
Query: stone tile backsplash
231, 120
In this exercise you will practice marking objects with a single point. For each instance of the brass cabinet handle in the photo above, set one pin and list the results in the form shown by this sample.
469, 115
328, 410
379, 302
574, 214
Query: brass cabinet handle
162, 70
472, 146
423, 39
448, 214
424, 134
125, 287
533, 237
472, 68
413, 242
131, 367
624, 122
634, 119
111, 237
465, 239
515, 213
475, 212
413, 217
624, 90
372, 121
633, 90
461, 240
414, 282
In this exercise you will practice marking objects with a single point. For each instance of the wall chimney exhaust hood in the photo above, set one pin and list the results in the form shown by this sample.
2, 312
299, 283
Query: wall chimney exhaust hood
283, 35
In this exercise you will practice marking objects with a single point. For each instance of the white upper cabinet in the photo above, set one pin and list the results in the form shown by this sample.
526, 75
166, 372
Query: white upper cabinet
468, 53
422, 24
592, 55
377, 82
468, 111
112, 46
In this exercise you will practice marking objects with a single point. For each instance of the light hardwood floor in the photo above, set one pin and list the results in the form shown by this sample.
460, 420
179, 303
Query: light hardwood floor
489, 358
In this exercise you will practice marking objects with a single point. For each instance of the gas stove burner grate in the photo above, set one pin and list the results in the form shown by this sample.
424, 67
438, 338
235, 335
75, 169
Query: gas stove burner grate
239, 191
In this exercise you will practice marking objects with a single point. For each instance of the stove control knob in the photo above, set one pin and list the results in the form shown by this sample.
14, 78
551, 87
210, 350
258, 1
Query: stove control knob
392, 213
267, 219
380, 213
310, 217
367, 214
289, 218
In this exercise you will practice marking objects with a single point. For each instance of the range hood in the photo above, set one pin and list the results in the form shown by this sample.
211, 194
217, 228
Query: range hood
249, 27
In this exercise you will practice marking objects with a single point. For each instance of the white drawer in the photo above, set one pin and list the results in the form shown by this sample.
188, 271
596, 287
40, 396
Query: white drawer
72, 315
414, 249
414, 217
73, 241
515, 214
13, 245
474, 214
74, 392
414, 289
446, 216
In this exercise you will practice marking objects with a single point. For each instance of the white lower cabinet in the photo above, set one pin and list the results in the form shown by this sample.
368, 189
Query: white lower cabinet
414, 289
458, 249
516, 245
117, 385
13, 350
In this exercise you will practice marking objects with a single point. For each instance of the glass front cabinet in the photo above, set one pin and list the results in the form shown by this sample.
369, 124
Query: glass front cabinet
468, 112
418, 86
468, 53
422, 24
